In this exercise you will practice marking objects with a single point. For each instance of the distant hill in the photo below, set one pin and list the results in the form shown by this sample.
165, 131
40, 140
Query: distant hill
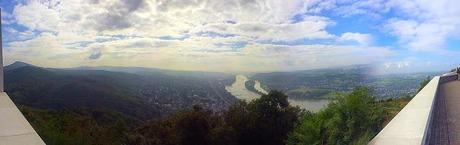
137, 95
323, 83
156, 71
17, 64
319, 83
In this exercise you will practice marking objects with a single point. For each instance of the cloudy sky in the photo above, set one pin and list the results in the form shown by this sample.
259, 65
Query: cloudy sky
234, 35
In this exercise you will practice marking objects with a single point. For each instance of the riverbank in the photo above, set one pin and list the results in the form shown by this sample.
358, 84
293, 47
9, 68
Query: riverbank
239, 90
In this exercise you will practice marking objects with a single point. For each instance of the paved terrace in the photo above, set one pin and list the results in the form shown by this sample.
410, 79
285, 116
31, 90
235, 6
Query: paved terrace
446, 115
431, 117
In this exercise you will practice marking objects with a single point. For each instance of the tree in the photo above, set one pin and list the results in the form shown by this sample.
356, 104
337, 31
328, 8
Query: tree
264, 121
184, 128
349, 118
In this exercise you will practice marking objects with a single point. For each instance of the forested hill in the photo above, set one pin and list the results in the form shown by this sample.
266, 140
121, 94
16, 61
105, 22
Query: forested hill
98, 107
137, 96
323, 83
156, 71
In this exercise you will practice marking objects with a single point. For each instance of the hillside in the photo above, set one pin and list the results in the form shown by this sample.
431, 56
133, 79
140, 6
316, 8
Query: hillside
137, 96
156, 71
323, 83
90, 106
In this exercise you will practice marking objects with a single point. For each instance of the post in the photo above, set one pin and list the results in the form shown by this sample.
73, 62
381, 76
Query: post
1, 56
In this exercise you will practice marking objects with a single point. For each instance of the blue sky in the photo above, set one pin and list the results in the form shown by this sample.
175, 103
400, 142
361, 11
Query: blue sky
234, 35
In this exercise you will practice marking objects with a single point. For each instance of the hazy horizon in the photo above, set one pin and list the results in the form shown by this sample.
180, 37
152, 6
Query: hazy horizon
372, 70
234, 36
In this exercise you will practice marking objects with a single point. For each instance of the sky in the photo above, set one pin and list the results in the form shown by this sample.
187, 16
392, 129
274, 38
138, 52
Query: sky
394, 36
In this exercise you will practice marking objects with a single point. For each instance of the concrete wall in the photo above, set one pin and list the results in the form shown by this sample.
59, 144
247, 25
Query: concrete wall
14, 128
1, 57
409, 126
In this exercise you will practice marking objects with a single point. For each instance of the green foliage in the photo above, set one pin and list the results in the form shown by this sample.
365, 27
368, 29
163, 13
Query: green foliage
424, 83
185, 128
264, 121
77, 127
351, 119
269, 120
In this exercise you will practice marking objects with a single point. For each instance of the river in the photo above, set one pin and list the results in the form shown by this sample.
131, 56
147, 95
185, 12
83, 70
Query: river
238, 89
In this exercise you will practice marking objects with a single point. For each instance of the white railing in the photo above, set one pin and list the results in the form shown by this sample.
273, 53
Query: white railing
411, 125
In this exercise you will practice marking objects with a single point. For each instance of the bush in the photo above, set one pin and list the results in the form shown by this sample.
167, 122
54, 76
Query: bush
349, 119
264, 121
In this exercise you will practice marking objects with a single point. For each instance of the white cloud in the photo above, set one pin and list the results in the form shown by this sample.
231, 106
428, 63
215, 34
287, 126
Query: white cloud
425, 25
43, 50
421, 36
184, 34
420, 25
317, 56
37, 16
159, 17
364, 39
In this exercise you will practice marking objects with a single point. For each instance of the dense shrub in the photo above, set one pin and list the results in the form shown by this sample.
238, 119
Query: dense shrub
264, 121
349, 119
352, 118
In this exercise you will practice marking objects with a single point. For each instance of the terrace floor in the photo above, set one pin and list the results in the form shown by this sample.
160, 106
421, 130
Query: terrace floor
446, 119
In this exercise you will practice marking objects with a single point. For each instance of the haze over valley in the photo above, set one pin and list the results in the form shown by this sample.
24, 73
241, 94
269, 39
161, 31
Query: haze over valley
144, 93
224, 72
140, 94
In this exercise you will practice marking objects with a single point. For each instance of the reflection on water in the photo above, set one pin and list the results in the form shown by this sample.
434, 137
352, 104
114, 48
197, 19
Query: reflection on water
313, 105
238, 89
259, 88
